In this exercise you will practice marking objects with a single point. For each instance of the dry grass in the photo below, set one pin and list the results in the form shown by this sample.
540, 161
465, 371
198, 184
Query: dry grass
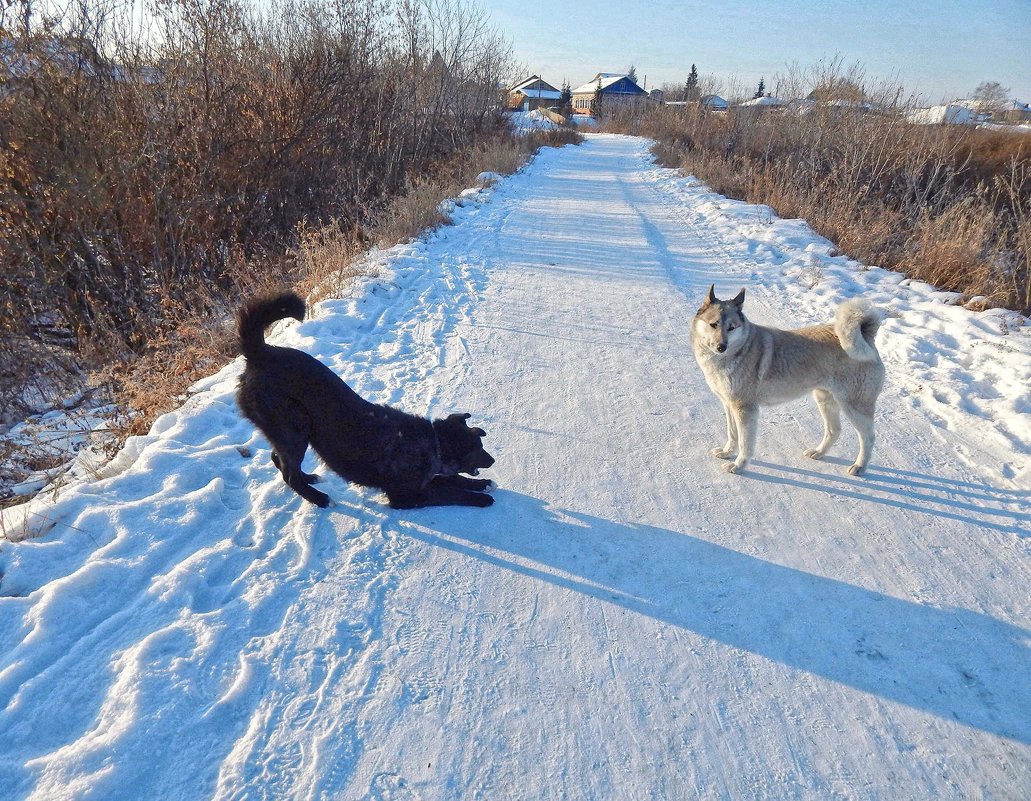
950, 206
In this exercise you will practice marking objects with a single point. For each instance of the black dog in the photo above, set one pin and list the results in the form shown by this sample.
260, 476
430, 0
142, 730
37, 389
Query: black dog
296, 400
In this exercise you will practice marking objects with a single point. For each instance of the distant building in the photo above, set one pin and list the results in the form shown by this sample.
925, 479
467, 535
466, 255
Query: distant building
714, 103
617, 91
948, 114
705, 102
760, 105
532, 93
1015, 111
766, 101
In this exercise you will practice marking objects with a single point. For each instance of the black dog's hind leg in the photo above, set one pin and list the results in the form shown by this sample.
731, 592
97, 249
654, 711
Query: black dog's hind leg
288, 447
437, 495
308, 478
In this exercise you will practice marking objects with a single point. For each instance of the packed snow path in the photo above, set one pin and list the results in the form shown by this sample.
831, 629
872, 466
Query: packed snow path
628, 621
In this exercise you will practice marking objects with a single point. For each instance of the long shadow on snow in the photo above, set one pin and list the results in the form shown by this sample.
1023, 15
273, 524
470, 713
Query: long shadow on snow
953, 663
980, 505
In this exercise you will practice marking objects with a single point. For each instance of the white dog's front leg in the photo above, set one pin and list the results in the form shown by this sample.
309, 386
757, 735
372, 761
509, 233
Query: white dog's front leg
727, 450
747, 419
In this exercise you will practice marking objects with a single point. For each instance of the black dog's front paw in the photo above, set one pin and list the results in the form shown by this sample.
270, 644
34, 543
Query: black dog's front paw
440, 493
465, 483
320, 499
480, 499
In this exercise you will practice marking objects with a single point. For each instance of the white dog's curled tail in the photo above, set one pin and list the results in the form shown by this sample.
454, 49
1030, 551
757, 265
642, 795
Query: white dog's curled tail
856, 325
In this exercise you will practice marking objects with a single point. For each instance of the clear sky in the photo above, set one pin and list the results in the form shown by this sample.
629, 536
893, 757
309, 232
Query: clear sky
939, 49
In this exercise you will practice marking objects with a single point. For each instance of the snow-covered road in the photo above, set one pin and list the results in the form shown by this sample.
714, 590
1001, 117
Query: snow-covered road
627, 621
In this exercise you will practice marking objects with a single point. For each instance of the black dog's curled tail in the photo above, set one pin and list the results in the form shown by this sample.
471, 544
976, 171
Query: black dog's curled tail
259, 313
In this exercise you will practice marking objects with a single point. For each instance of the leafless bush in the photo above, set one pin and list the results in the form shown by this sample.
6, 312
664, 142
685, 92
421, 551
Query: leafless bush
150, 165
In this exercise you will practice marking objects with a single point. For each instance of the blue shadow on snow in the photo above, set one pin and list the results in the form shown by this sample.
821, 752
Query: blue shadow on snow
953, 663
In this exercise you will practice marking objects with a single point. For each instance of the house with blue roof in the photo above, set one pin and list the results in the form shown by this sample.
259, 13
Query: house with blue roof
616, 90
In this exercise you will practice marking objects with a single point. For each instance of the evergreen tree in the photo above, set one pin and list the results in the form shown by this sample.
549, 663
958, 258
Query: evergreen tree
565, 100
691, 87
761, 90
632, 73
596, 100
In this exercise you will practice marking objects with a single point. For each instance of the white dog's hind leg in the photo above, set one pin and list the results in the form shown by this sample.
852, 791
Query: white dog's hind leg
831, 423
747, 418
862, 419
727, 450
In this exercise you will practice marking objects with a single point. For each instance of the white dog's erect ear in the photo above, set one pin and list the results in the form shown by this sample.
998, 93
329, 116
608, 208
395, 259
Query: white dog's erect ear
740, 299
712, 294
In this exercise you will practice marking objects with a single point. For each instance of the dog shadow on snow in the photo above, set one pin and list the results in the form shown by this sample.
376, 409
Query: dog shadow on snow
953, 663
995, 508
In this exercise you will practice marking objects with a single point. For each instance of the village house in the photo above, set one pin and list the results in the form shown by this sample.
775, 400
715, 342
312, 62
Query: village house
705, 102
616, 91
1014, 111
766, 101
760, 105
713, 103
945, 114
532, 93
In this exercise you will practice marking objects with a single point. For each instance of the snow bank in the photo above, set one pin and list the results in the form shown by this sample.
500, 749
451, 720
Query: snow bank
527, 121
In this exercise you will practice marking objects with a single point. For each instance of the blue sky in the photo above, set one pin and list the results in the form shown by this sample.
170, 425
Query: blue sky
939, 49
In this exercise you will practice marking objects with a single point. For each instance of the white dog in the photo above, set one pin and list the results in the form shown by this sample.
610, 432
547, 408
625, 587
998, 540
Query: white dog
749, 366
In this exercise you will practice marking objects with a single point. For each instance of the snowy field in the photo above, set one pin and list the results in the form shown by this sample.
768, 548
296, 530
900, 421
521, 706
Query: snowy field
627, 621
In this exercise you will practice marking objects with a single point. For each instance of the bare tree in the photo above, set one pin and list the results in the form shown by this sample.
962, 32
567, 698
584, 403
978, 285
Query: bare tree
991, 96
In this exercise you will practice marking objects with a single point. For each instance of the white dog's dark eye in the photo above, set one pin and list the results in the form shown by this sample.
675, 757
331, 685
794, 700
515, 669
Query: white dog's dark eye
714, 325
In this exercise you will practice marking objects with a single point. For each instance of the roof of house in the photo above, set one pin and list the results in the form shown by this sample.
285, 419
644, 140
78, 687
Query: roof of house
533, 79
936, 115
537, 87
713, 100
608, 80
765, 100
